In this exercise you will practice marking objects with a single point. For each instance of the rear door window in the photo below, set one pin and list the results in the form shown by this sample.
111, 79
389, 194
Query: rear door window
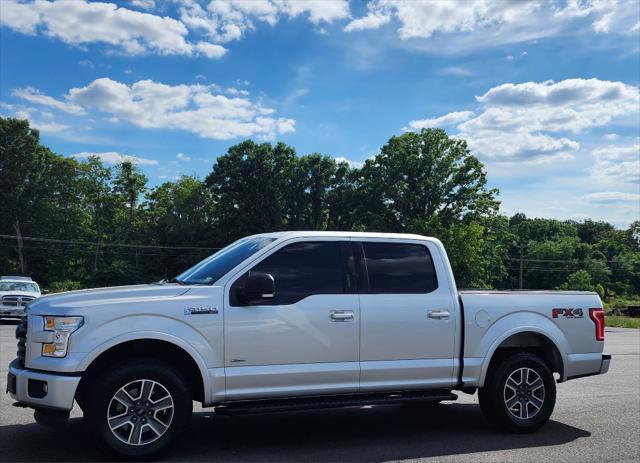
399, 268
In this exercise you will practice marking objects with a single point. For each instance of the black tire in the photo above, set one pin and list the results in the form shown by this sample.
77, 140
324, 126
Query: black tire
142, 375
530, 409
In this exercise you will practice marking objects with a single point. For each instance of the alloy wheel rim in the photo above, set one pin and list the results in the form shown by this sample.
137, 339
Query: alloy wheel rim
524, 393
140, 412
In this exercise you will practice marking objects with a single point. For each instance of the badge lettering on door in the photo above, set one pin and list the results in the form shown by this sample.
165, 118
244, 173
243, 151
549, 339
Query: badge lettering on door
566, 313
200, 310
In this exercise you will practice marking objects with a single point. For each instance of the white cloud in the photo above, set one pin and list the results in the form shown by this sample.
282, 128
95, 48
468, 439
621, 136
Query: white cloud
459, 25
423, 19
457, 71
531, 119
79, 22
235, 91
317, 10
611, 197
143, 4
34, 96
447, 119
376, 17
38, 119
210, 50
113, 157
522, 113
616, 164
610, 136
48, 127
226, 20
196, 108
352, 164
589, 102
183, 157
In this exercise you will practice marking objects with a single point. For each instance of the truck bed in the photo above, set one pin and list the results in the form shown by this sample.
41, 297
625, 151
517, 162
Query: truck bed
491, 316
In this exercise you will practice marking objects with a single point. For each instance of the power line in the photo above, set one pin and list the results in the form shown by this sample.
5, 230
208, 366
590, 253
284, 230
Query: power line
89, 243
562, 261
114, 253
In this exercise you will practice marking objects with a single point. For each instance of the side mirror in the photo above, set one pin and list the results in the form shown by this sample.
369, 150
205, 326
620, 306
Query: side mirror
259, 286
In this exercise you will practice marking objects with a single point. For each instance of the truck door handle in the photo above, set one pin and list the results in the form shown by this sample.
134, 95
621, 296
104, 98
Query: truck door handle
341, 315
438, 314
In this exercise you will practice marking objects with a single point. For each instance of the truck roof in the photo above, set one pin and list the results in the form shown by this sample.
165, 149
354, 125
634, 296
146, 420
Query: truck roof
349, 234
15, 278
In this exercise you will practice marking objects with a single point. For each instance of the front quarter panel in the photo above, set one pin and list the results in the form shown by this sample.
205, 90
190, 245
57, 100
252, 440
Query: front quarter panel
109, 323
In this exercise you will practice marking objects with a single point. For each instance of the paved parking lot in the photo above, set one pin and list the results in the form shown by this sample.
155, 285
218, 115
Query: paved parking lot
596, 419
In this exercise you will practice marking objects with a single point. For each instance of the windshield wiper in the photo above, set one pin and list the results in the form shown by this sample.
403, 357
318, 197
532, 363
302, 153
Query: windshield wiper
175, 280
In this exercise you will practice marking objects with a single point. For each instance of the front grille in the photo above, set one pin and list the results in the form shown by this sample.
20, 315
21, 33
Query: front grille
21, 336
16, 301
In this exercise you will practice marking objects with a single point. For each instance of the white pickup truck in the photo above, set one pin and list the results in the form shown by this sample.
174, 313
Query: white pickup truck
296, 320
15, 294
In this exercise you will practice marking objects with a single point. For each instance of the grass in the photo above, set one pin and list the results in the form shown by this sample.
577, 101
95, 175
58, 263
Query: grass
619, 321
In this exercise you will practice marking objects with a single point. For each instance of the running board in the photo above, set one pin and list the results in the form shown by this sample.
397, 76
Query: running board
247, 407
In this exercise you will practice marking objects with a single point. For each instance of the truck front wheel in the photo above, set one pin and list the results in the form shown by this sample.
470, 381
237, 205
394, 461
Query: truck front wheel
139, 407
519, 393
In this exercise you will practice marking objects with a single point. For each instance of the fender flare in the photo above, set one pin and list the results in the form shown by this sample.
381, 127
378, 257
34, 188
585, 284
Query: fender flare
558, 342
157, 336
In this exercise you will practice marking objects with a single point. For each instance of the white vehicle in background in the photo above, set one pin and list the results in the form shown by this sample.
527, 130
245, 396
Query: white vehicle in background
15, 293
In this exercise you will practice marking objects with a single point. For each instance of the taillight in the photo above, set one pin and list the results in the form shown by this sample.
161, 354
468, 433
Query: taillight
597, 315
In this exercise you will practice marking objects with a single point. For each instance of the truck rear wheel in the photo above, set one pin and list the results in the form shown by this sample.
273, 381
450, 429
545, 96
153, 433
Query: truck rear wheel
139, 407
519, 393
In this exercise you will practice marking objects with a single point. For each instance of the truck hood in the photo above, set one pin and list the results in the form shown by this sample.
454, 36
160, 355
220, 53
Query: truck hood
87, 298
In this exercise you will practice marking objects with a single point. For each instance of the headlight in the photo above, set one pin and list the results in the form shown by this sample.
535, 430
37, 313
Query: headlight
62, 328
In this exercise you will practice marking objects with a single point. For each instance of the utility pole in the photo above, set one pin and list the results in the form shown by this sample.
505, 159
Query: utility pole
521, 266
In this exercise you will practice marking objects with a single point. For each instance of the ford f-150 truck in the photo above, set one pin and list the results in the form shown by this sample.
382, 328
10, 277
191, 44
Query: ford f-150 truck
296, 320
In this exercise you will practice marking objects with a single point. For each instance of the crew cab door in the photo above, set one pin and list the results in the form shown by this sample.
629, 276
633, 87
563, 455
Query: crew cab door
408, 316
304, 341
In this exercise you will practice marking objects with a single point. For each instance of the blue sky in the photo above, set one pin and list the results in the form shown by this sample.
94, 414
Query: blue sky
546, 93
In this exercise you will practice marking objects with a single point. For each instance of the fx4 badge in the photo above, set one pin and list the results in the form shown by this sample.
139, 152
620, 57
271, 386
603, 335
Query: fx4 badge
566, 313
200, 310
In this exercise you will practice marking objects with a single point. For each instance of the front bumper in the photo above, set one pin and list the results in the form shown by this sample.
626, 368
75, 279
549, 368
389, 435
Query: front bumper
11, 311
39, 389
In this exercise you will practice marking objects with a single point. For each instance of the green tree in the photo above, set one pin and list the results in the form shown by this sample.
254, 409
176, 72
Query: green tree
477, 249
591, 231
548, 262
22, 166
343, 200
419, 176
580, 281
130, 183
95, 181
251, 185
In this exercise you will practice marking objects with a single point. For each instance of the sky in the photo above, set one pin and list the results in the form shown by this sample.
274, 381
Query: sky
545, 92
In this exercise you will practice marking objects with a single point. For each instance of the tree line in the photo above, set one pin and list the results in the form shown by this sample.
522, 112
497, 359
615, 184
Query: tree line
72, 224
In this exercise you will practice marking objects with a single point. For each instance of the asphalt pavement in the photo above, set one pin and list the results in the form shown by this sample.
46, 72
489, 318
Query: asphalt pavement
596, 419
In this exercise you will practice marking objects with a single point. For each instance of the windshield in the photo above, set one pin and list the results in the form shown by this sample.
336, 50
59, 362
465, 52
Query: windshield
216, 266
18, 286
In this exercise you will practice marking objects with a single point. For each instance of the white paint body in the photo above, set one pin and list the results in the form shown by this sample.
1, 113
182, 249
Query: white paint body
392, 343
